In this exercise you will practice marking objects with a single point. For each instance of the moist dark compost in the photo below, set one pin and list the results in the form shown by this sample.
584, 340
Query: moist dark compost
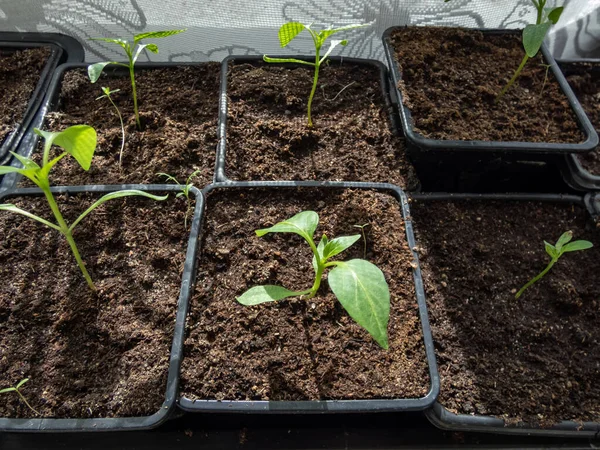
178, 107
451, 77
19, 75
536, 359
298, 349
87, 355
268, 137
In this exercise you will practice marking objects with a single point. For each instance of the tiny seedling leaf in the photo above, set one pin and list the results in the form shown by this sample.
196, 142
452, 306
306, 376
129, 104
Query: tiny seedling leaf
264, 294
320, 248
304, 224
21, 383
363, 292
289, 31
533, 37
8, 389
326, 33
286, 60
554, 15
577, 245
95, 70
156, 34
27, 163
550, 249
121, 42
339, 244
563, 239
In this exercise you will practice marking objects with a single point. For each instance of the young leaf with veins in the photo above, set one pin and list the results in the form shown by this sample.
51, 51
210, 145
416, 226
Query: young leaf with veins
133, 52
290, 30
78, 141
359, 285
18, 391
185, 190
563, 245
107, 93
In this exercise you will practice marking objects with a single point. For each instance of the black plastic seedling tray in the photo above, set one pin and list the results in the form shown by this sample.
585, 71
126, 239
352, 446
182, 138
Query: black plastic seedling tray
62, 49
30, 140
422, 147
447, 420
169, 404
574, 173
334, 406
221, 169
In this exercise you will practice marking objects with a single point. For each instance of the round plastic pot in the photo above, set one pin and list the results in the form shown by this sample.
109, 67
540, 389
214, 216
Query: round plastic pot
574, 173
30, 140
187, 281
442, 418
335, 406
422, 147
221, 169
62, 49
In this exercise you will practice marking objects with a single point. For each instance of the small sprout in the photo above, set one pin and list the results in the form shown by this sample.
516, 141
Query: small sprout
362, 230
185, 190
290, 30
563, 245
79, 141
107, 93
132, 52
359, 285
547, 66
18, 391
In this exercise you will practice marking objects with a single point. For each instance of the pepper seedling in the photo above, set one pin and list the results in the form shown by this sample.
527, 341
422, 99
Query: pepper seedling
185, 190
359, 285
563, 245
290, 30
107, 93
133, 52
79, 141
21, 396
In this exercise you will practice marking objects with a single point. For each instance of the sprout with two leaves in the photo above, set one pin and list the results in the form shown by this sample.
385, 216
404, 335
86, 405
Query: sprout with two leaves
107, 94
359, 285
133, 52
290, 30
78, 141
17, 389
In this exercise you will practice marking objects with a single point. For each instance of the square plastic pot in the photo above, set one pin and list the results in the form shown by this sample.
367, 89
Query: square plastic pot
221, 169
441, 417
335, 406
62, 49
169, 404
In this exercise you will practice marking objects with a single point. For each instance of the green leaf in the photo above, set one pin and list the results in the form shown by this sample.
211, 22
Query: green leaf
289, 31
363, 292
533, 37
339, 244
78, 141
21, 383
121, 42
333, 44
10, 169
326, 33
27, 163
554, 14
141, 47
112, 196
9, 389
304, 224
95, 70
577, 245
551, 250
563, 239
12, 208
320, 248
152, 47
286, 60
263, 294
156, 34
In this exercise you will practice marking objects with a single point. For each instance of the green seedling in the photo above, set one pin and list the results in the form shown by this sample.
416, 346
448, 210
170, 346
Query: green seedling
79, 141
290, 30
563, 245
362, 230
107, 93
17, 390
358, 284
133, 52
185, 190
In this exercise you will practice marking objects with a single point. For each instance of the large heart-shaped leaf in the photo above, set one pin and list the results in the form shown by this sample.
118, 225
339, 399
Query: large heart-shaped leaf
78, 140
156, 34
289, 31
264, 294
533, 37
304, 224
363, 292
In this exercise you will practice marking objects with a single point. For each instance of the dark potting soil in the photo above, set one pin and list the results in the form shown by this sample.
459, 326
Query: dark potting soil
585, 82
535, 359
87, 355
451, 77
179, 107
296, 349
19, 74
268, 137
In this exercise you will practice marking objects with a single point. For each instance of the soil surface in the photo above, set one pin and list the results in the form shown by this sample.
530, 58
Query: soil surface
296, 349
268, 137
19, 75
87, 355
179, 107
451, 77
536, 359
585, 82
